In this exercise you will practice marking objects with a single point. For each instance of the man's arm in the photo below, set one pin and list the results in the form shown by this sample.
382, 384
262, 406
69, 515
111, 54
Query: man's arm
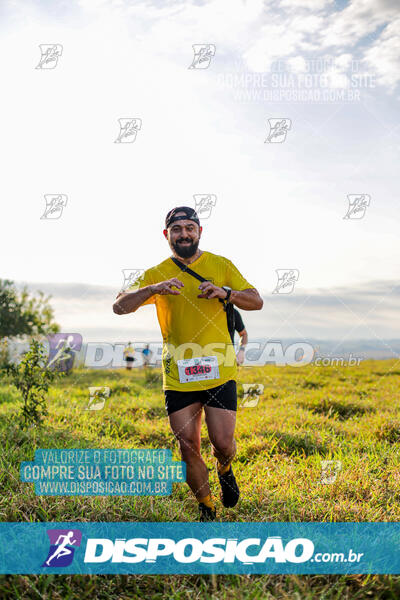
129, 302
243, 297
248, 299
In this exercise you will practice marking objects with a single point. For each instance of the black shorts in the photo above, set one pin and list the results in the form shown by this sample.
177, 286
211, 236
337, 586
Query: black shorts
129, 359
222, 396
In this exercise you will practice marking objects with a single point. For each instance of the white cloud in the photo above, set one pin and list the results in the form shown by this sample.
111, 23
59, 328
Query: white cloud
297, 64
313, 5
343, 61
384, 55
258, 31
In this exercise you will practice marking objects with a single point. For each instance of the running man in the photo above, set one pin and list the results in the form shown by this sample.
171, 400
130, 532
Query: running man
192, 318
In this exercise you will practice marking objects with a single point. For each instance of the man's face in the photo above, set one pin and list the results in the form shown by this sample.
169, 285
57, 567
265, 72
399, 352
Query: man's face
183, 237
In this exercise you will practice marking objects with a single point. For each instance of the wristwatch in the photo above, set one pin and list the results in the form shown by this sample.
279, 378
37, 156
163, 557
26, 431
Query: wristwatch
228, 292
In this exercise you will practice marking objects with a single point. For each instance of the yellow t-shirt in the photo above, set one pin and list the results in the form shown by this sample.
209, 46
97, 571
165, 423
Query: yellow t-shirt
198, 323
129, 351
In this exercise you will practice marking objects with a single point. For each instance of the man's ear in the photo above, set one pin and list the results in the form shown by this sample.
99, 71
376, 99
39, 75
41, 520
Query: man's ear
165, 232
200, 230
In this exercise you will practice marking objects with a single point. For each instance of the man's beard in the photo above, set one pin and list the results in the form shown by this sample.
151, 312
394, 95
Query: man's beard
186, 251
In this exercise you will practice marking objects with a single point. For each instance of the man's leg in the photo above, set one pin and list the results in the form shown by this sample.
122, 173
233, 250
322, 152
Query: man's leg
221, 428
186, 426
221, 424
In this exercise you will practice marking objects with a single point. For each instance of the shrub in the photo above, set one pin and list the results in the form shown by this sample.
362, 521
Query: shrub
4, 354
32, 379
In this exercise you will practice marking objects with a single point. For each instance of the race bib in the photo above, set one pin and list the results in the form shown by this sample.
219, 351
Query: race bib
197, 369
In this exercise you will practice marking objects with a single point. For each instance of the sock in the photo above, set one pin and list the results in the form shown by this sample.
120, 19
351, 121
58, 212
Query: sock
222, 469
207, 500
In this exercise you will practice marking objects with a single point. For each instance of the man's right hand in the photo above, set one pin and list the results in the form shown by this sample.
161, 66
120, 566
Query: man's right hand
128, 302
165, 287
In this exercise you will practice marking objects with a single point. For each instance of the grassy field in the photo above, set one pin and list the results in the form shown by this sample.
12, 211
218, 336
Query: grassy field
305, 415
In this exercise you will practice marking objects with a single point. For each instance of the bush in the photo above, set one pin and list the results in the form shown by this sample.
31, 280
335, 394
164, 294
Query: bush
32, 379
4, 354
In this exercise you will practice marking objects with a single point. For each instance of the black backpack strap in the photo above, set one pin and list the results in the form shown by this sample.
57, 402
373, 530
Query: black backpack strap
186, 269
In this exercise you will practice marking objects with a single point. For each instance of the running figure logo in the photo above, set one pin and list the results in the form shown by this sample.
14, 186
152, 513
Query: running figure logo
98, 397
62, 350
278, 129
251, 394
50, 54
329, 471
286, 280
357, 206
128, 129
55, 203
203, 54
63, 543
132, 278
204, 204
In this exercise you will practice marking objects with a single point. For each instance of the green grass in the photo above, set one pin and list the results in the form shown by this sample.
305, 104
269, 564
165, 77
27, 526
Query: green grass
305, 415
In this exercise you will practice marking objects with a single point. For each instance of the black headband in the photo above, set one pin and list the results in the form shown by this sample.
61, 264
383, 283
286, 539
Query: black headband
190, 214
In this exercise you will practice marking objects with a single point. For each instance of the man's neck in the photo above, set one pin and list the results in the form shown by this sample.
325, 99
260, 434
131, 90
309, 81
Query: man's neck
190, 259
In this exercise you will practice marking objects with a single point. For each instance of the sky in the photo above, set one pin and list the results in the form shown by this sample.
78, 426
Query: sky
279, 204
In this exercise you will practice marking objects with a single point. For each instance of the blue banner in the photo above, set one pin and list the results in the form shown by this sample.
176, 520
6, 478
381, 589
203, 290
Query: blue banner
191, 548
103, 472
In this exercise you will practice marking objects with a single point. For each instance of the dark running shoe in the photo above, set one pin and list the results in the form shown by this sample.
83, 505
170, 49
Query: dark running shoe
229, 489
207, 513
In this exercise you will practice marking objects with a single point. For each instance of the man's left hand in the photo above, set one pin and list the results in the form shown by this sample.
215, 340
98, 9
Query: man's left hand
209, 290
